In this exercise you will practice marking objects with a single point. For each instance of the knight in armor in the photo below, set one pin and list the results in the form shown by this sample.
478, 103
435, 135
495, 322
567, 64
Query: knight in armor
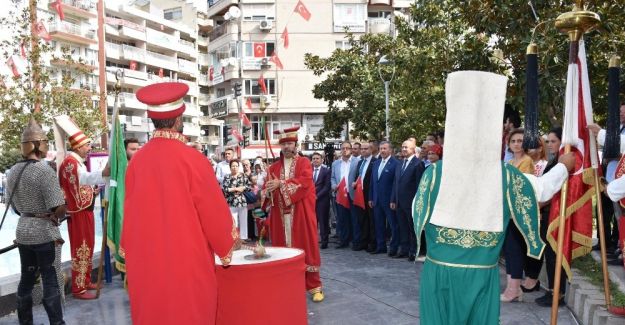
39, 201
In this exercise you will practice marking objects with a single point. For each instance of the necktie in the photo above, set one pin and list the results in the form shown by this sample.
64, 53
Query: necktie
363, 161
381, 168
403, 167
316, 173
622, 129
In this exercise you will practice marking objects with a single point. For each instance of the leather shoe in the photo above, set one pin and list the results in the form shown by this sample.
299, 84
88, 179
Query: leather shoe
324, 245
400, 255
616, 261
341, 246
357, 248
411, 257
93, 286
379, 251
535, 288
547, 299
370, 249
392, 254
84, 296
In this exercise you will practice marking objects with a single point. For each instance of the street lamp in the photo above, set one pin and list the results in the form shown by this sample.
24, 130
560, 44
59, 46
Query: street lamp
386, 62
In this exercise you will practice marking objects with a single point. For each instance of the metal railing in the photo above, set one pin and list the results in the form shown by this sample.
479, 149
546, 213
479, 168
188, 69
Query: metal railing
133, 53
81, 4
67, 27
218, 32
158, 56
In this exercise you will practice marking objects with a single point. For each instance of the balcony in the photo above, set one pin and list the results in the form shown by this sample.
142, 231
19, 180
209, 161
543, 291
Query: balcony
80, 8
380, 2
136, 124
202, 40
379, 25
203, 99
162, 39
188, 67
191, 129
73, 33
129, 100
203, 80
222, 106
203, 60
207, 120
187, 47
113, 50
193, 91
218, 31
133, 53
212, 140
217, 6
191, 110
204, 23
161, 61
152, 79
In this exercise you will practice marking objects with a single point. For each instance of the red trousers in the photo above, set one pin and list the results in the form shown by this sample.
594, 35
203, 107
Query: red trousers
81, 241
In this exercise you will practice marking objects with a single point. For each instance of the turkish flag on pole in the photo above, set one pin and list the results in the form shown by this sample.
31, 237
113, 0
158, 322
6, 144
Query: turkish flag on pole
359, 195
237, 134
577, 112
23, 50
211, 70
42, 32
302, 10
58, 7
285, 38
261, 84
245, 120
276, 60
341, 194
259, 50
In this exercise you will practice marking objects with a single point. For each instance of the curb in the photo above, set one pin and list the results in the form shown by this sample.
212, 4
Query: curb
587, 302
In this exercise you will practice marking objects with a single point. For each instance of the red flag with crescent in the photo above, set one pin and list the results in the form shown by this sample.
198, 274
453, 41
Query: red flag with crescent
276, 60
302, 10
359, 195
285, 38
261, 84
248, 103
341, 194
13, 66
58, 7
42, 32
237, 134
23, 50
259, 50
211, 70
245, 120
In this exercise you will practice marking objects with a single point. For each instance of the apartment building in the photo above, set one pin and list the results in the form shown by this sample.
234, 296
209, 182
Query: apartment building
243, 40
141, 43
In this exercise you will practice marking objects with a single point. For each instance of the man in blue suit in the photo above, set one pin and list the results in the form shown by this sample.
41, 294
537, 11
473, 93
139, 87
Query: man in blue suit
321, 178
383, 175
365, 216
407, 178
340, 172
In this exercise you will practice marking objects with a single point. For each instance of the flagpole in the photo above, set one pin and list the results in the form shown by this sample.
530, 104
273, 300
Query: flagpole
574, 23
34, 53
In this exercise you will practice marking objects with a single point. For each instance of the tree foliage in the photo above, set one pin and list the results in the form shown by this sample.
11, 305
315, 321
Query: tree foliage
445, 36
18, 94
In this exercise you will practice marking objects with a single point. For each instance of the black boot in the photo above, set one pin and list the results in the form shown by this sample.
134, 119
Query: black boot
25, 310
54, 309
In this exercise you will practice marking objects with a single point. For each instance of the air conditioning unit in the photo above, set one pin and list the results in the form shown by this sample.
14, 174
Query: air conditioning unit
266, 24
264, 63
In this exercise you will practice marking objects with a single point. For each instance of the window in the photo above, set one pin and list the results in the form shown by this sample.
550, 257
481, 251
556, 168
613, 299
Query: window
343, 45
350, 15
274, 122
258, 11
173, 13
379, 14
253, 89
221, 92
249, 49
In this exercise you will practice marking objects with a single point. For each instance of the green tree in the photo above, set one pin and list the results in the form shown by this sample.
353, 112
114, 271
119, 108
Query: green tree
18, 93
449, 35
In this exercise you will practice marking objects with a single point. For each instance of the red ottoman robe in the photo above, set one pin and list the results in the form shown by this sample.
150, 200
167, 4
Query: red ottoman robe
175, 219
296, 196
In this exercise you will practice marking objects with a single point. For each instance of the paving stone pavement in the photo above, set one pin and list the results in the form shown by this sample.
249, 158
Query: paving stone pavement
360, 289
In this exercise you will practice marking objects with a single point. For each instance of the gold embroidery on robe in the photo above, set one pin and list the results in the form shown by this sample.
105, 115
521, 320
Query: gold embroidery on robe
466, 238
80, 264
522, 204
312, 268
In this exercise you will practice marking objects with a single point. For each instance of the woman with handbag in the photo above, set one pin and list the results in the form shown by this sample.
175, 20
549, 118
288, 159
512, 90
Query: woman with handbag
234, 186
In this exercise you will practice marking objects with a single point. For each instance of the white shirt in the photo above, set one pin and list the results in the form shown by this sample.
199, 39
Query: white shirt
345, 169
408, 161
86, 177
616, 189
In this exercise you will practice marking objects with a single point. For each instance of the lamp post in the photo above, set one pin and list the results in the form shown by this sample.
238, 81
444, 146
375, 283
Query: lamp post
386, 62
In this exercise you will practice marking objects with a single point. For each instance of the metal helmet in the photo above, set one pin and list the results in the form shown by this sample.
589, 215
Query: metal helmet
34, 138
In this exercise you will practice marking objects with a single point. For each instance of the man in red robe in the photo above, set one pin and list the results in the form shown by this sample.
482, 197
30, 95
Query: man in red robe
80, 194
290, 197
175, 220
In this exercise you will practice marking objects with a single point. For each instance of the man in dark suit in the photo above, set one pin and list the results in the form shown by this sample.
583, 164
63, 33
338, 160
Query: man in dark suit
407, 178
340, 175
321, 177
383, 175
365, 216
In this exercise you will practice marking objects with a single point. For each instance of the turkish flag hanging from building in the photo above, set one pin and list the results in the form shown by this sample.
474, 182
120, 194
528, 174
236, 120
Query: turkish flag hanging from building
42, 32
578, 215
13, 66
133, 65
302, 10
261, 84
23, 50
237, 134
259, 50
341, 194
285, 38
245, 120
58, 7
211, 70
276, 60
